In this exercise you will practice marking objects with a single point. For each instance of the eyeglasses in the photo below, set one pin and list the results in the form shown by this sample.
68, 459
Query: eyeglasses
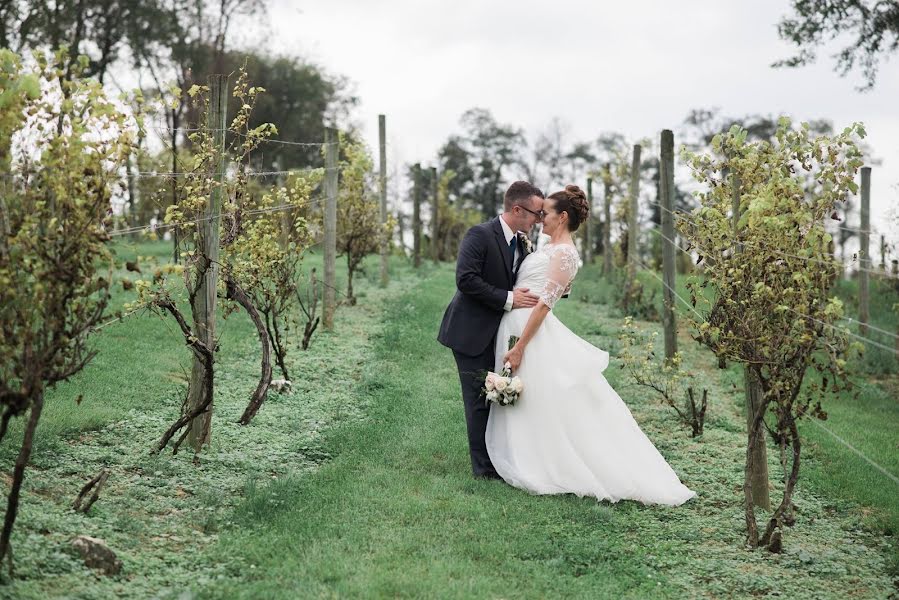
539, 214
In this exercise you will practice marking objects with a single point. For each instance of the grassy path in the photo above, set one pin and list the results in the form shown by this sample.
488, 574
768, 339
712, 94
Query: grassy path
396, 513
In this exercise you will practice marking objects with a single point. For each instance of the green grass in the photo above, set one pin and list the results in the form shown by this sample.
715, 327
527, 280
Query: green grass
358, 483
868, 423
153, 508
143, 343
397, 514
883, 294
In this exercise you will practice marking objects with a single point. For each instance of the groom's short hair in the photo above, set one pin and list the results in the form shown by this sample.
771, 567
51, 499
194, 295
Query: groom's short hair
519, 193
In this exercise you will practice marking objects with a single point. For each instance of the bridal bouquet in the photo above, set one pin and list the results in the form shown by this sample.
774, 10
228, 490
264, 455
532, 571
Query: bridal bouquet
502, 388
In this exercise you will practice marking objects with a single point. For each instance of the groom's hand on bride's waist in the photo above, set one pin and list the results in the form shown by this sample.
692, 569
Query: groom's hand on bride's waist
523, 298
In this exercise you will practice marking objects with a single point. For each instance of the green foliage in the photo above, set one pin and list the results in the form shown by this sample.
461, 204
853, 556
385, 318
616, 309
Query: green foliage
616, 175
454, 220
200, 179
772, 274
770, 292
480, 158
300, 98
359, 228
874, 25
634, 298
62, 142
270, 229
272, 238
265, 256
101, 31
147, 197
17, 88
54, 206
259, 245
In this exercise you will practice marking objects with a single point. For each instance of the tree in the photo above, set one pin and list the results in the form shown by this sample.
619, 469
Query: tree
300, 97
874, 25
454, 156
259, 258
613, 154
455, 219
194, 46
580, 158
359, 228
701, 125
481, 159
182, 39
265, 262
209, 207
54, 224
548, 155
104, 31
766, 287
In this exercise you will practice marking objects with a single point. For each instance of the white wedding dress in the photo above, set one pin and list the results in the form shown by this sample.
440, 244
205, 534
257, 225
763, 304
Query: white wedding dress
569, 431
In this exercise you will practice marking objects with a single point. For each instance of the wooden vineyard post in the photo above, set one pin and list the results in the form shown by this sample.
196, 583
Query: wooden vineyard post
382, 191
894, 270
416, 215
4, 216
332, 149
759, 477
588, 241
632, 234
401, 227
666, 185
435, 216
203, 308
864, 256
176, 249
607, 222
287, 216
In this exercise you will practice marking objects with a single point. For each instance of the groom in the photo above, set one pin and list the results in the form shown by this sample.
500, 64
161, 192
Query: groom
488, 262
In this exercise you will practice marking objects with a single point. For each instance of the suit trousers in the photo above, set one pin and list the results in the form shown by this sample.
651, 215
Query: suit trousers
471, 376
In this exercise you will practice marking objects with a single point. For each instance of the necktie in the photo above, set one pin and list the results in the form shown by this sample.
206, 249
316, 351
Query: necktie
512, 251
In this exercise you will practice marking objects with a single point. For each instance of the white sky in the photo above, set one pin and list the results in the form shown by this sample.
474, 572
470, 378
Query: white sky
635, 67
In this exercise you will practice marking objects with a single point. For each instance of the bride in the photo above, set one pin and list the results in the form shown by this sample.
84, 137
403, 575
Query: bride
569, 431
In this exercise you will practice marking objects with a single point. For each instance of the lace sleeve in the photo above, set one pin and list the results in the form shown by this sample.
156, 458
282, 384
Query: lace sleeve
563, 265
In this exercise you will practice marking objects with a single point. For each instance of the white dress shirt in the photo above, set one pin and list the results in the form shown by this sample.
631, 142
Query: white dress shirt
507, 231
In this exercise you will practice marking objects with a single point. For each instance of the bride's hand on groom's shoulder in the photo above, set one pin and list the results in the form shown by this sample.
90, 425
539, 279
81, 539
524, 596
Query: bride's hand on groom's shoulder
513, 357
523, 298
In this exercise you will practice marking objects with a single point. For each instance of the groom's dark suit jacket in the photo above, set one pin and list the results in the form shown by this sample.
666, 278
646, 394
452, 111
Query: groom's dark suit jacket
483, 280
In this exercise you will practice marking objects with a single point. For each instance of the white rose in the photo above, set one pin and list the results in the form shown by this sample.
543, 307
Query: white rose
501, 384
489, 382
517, 385
491, 396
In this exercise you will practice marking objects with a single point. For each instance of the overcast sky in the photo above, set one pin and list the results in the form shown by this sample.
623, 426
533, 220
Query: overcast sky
635, 67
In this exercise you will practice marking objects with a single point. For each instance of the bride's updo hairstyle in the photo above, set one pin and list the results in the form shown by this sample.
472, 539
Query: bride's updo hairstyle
572, 200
